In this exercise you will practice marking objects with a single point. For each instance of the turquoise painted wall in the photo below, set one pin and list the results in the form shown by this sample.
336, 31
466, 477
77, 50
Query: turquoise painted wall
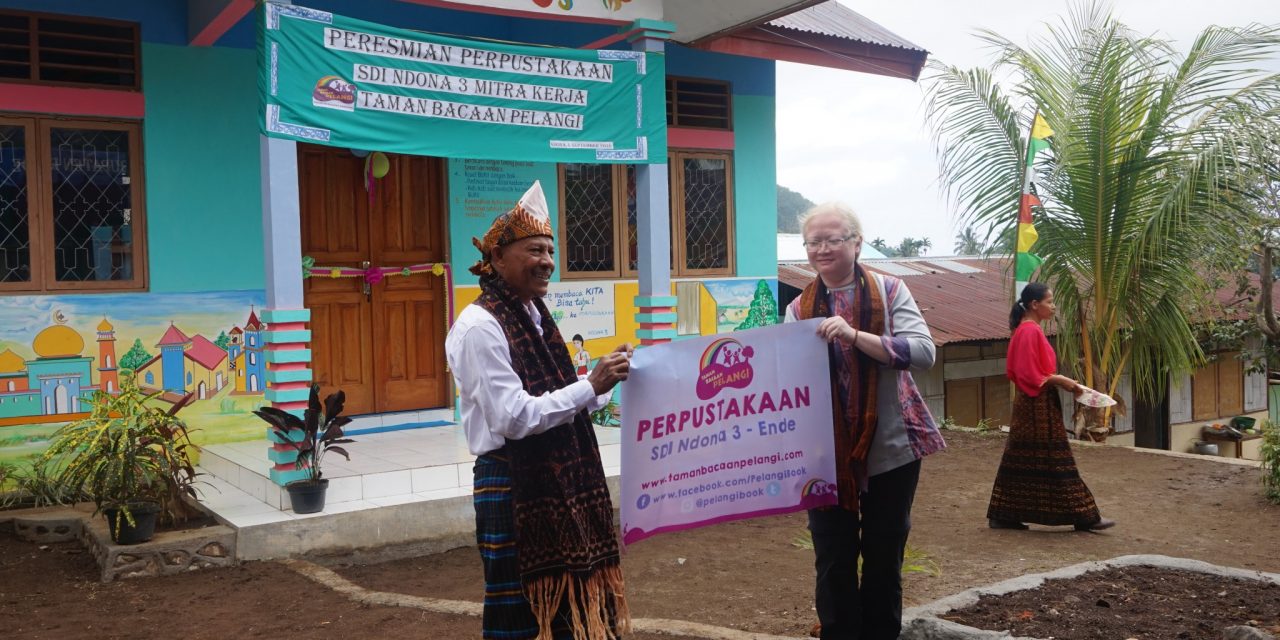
200, 137
755, 193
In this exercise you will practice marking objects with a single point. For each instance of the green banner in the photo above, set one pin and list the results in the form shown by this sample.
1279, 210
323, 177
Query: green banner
332, 80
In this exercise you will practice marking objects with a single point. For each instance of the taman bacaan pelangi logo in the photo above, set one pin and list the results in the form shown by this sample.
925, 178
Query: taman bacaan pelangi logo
332, 92
725, 363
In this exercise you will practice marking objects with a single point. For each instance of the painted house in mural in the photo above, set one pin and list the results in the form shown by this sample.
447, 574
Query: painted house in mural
245, 349
186, 365
144, 119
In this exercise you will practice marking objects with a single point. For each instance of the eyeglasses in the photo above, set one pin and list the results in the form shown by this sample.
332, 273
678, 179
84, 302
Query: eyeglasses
831, 243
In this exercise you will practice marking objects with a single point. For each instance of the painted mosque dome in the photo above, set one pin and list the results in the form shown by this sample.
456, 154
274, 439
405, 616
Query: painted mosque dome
58, 341
11, 362
105, 326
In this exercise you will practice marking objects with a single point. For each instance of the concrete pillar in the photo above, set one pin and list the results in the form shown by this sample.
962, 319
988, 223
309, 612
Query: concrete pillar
287, 340
655, 306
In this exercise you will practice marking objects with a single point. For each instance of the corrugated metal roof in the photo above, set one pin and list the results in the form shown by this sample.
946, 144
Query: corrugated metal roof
972, 307
959, 307
952, 265
895, 268
834, 19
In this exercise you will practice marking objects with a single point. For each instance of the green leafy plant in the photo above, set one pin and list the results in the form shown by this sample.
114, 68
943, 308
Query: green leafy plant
126, 453
1134, 192
606, 416
317, 432
34, 485
1271, 462
913, 560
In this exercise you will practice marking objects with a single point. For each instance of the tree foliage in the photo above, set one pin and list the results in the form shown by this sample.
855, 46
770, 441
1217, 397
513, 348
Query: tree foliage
1147, 143
790, 205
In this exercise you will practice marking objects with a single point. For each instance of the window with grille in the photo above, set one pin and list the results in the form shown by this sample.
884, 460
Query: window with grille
66, 50
598, 217
699, 103
70, 206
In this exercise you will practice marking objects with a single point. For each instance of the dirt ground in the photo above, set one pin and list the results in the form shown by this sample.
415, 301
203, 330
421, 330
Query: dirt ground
1134, 602
746, 575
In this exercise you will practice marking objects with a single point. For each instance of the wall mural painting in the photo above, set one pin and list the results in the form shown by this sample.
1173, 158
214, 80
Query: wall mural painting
743, 304
56, 352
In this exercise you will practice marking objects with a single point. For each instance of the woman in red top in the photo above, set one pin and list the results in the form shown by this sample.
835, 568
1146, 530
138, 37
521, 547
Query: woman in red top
1038, 481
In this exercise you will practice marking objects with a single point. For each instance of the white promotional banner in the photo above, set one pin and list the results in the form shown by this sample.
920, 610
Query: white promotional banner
726, 427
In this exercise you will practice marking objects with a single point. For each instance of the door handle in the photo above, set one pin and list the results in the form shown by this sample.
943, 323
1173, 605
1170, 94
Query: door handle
368, 289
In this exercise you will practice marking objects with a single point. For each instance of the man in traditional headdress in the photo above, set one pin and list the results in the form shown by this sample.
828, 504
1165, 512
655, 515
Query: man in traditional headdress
544, 522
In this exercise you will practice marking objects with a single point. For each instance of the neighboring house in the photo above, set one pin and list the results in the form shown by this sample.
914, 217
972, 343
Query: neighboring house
135, 131
966, 302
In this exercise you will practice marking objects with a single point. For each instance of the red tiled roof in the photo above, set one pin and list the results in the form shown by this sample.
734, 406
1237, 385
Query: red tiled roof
173, 336
235, 330
252, 324
205, 353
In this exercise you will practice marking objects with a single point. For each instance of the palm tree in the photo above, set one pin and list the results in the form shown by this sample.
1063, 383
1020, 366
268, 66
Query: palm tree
912, 247
1146, 143
883, 247
968, 243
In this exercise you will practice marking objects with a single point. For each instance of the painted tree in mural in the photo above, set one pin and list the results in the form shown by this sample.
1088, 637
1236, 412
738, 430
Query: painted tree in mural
764, 309
223, 341
136, 356
1132, 189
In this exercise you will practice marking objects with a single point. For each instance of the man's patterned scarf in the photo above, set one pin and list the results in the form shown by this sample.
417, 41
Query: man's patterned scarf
565, 537
855, 416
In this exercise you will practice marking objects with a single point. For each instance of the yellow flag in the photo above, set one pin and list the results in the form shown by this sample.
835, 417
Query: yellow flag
1040, 130
1027, 236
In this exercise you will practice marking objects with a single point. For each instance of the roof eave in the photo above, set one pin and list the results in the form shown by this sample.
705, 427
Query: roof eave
778, 43
754, 22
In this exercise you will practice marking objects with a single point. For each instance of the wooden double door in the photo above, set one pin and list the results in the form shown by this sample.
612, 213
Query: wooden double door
382, 343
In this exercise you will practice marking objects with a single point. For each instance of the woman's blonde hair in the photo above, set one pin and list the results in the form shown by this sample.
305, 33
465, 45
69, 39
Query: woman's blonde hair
840, 210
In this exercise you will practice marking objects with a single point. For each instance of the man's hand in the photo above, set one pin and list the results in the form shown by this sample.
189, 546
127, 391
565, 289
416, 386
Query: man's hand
611, 369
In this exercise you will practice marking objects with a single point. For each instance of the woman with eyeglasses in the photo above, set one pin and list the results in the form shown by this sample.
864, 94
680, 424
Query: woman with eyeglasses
1038, 481
882, 427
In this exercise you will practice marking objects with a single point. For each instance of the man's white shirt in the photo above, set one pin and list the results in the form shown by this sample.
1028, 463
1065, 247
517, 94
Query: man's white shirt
494, 406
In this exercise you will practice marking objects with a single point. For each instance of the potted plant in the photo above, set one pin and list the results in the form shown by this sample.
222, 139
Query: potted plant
315, 434
130, 457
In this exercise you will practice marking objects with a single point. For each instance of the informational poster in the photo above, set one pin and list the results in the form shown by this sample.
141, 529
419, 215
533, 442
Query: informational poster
481, 190
582, 308
723, 428
328, 79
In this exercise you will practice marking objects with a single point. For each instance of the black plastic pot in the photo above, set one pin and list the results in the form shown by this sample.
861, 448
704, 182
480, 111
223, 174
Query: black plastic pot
307, 496
144, 523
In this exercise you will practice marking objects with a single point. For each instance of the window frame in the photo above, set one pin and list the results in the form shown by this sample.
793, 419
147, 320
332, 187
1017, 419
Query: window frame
33, 49
621, 237
673, 113
675, 157
40, 218
619, 202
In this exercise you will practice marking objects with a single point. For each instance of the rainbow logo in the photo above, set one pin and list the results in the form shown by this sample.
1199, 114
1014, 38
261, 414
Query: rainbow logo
332, 92
725, 363
817, 493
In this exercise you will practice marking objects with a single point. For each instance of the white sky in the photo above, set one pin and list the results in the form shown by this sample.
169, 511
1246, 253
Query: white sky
863, 139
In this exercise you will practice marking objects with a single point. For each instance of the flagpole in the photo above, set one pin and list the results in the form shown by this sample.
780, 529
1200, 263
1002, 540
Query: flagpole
1026, 188
1024, 262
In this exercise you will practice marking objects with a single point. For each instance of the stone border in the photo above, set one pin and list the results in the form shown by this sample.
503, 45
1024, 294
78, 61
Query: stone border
925, 623
167, 553
358, 593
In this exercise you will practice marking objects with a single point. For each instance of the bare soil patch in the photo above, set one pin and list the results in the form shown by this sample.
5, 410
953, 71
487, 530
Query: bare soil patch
1129, 602
746, 575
